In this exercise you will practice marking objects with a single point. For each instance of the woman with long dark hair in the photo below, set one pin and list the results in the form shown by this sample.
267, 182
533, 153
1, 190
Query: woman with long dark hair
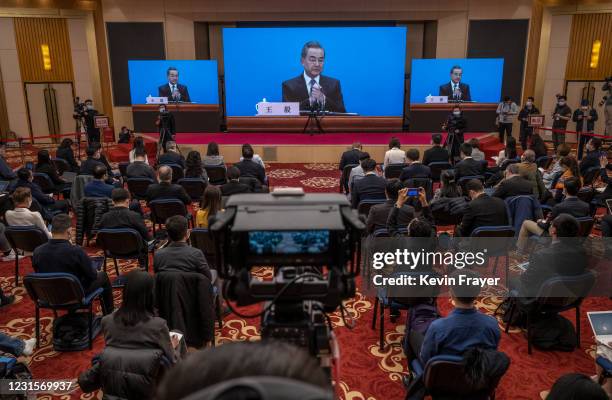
509, 151
193, 166
65, 152
44, 165
138, 144
209, 206
538, 146
449, 187
212, 157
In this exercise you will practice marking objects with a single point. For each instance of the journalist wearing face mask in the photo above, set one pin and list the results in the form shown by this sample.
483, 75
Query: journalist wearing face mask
166, 126
561, 115
455, 125
93, 133
526, 130
585, 118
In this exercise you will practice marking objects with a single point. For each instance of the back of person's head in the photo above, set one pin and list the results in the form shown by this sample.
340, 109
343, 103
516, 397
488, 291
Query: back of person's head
529, 156
241, 359
513, 169
474, 185
193, 160
211, 200
91, 150
22, 196
60, 224
139, 152
576, 387
247, 151
392, 188
170, 146
368, 165
436, 138
138, 143
572, 185
466, 149
413, 154
24, 174
449, 184
99, 172
563, 150
419, 227
66, 143
596, 143
566, 226
233, 173
177, 227
510, 148
394, 142
43, 157
356, 145
165, 173
537, 141
96, 145
570, 163
212, 149
120, 195
364, 156
138, 299
461, 292
475, 143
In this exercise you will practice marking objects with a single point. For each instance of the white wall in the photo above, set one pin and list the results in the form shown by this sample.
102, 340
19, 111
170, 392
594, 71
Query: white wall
80, 59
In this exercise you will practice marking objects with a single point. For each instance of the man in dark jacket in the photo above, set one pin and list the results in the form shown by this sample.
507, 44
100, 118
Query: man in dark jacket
436, 153
139, 168
379, 213
482, 210
415, 169
234, 186
513, 184
248, 167
371, 186
350, 157
585, 118
172, 155
165, 189
591, 160
468, 166
26, 179
98, 187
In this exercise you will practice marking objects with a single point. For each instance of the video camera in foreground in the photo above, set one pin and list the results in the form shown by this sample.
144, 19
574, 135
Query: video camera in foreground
313, 244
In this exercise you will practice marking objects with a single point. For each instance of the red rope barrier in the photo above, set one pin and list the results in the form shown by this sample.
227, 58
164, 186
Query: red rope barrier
573, 132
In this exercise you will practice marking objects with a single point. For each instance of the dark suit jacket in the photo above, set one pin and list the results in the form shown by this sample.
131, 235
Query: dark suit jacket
164, 91
121, 217
179, 256
415, 170
435, 154
483, 211
88, 166
572, 206
140, 169
515, 186
171, 157
379, 214
66, 154
295, 90
590, 160
349, 157
251, 168
165, 190
233, 187
369, 187
447, 90
468, 167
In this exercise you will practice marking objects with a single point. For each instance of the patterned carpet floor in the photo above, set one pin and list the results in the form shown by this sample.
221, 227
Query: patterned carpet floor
364, 372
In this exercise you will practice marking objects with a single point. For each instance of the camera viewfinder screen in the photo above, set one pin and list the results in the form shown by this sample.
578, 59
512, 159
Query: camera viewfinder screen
288, 242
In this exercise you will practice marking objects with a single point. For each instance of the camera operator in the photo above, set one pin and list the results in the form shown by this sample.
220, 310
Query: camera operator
165, 123
608, 104
93, 133
126, 135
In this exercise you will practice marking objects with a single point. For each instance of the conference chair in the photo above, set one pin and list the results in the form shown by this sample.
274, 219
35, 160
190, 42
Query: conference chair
587, 194
217, 174
344, 178
445, 218
202, 239
544, 161
497, 240
24, 239
364, 205
138, 187
61, 165
557, 294
394, 170
194, 187
123, 244
585, 226
123, 169
177, 172
163, 209
522, 208
60, 291
45, 183
436, 169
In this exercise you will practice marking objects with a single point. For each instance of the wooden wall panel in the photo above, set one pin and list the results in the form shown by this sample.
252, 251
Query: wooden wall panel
30, 34
533, 48
585, 29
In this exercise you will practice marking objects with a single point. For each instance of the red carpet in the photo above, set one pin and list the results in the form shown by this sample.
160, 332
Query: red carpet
365, 373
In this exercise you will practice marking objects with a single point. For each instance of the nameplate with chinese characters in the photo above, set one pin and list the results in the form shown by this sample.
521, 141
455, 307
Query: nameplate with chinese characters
276, 109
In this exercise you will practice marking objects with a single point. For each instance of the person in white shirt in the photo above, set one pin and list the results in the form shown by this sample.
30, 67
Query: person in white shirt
138, 143
395, 155
477, 154
507, 111
21, 215
256, 157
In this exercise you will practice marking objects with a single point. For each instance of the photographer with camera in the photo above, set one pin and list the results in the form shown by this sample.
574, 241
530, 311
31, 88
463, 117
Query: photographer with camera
607, 101
88, 113
165, 124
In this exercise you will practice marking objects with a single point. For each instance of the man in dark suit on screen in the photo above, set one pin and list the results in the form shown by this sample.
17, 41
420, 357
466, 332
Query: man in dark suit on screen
455, 90
173, 90
311, 89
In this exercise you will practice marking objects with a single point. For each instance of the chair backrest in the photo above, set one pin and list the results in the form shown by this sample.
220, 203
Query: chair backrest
443, 217
61, 165
217, 174
590, 175
381, 232
119, 241
346, 172
123, 168
253, 183
586, 194
138, 187
54, 289
43, 180
585, 226
394, 170
522, 208
163, 209
365, 205
509, 161
26, 238
493, 231
562, 292
177, 172
496, 239
543, 161
201, 238
437, 167
78, 188
194, 187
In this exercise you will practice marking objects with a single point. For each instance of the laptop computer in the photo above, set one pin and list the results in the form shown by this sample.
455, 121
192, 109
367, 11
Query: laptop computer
601, 324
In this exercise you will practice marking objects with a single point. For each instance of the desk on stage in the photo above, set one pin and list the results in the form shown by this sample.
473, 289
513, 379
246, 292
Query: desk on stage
188, 117
429, 117
329, 123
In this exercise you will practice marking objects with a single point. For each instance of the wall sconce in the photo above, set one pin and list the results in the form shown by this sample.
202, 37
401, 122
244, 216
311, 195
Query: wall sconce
46, 56
595, 49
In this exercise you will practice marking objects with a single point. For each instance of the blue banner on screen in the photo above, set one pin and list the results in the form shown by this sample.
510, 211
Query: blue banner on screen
359, 69
186, 81
468, 79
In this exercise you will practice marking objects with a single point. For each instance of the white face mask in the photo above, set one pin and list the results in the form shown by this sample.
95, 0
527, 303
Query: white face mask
584, 108
529, 104
561, 103
89, 107
456, 112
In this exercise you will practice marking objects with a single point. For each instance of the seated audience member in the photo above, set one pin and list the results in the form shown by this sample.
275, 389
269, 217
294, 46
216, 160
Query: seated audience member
194, 167
16, 346
138, 145
571, 205
371, 186
591, 159
565, 257
125, 135
529, 170
102, 158
477, 154
563, 150
46, 166
179, 255
98, 187
234, 186
65, 152
210, 205
569, 169
576, 386
6, 252
395, 155
93, 160
256, 157
59, 255
483, 210
249, 167
538, 146
357, 172
463, 329
120, 216
448, 186
6, 173
165, 189
46, 201
508, 152
350, 156
513, 184
436, 153
212, 157
217, 365
600, 198
379, 213
468, 166
21, 215
422, 215
139, 168
415, 168
172, 155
